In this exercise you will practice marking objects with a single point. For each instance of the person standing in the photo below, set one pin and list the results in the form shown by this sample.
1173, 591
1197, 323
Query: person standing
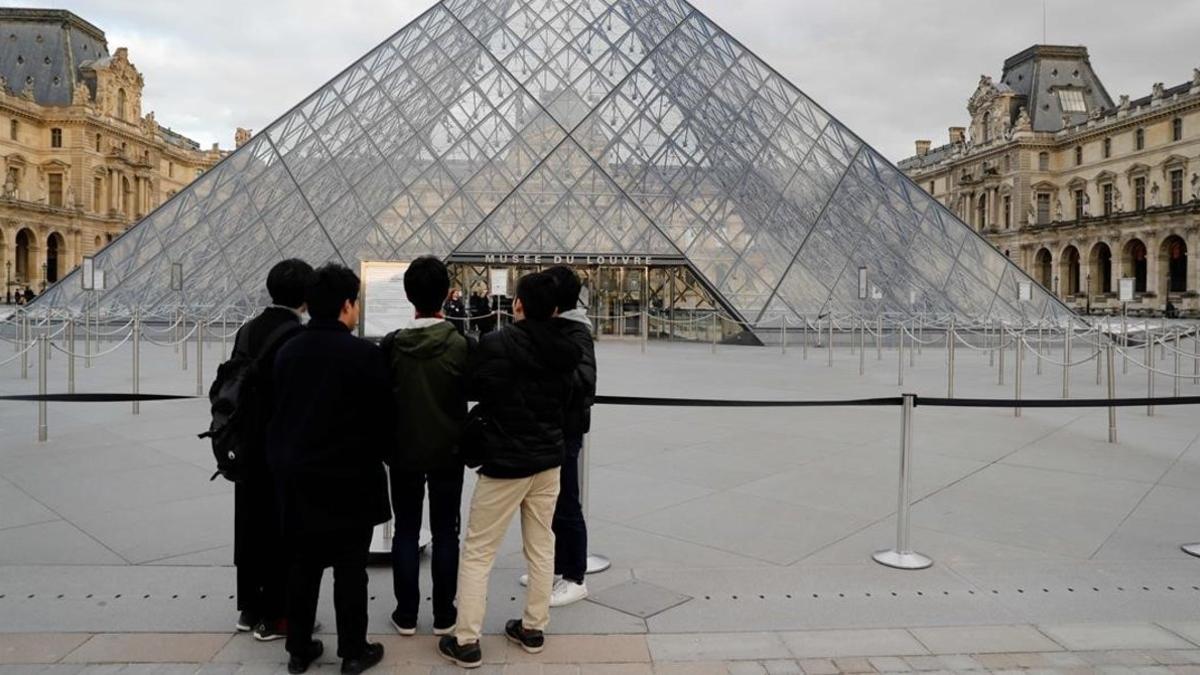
257, 542
325, 446
455, 311
428, 372
570, 528
520, 375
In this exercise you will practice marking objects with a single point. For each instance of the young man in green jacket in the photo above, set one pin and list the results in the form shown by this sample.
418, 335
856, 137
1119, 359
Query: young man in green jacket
428, 372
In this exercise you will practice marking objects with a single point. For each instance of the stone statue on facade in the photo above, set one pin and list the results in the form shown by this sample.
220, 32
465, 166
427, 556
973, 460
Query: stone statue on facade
27, 92
1195, 80
1155, 197
1125, 105
69, 198
1160, 91
1196, 188
1058, 210
81, 94
1032, 215
1087, 205
1118, 205
10, 186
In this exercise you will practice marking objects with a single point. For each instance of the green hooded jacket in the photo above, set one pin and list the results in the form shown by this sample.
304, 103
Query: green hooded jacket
429, 392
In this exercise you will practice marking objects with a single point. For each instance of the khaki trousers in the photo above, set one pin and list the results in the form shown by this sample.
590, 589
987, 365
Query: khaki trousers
493, 506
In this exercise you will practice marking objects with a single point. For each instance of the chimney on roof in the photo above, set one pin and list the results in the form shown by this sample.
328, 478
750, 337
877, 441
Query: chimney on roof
958, 135
923, 148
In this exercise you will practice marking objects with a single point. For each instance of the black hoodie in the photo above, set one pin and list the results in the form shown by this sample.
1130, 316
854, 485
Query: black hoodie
522, 376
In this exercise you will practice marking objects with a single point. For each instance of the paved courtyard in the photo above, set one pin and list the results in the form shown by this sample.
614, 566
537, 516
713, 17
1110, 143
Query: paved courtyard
741, 537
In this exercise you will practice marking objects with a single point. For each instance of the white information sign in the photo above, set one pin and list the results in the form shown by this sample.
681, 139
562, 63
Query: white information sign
498, 277
385, 306
1127, 286
88, 272
1025, 291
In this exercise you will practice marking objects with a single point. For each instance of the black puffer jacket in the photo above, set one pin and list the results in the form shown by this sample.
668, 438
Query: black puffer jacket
521, 375
577, 328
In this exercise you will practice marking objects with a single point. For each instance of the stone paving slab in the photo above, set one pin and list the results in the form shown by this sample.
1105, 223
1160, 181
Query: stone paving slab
1094, 637
846, 643
38, 647
148, 648
984, 639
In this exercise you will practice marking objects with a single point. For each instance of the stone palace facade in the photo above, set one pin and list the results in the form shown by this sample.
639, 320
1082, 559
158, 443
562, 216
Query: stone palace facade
80, 162
1076, 188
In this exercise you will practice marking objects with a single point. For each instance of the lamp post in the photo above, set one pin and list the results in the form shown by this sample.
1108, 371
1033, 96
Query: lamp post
44, 268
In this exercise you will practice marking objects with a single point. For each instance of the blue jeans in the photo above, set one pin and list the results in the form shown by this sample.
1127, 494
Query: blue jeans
445, 502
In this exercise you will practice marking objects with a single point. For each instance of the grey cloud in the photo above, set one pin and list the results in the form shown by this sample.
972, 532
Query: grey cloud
893, 71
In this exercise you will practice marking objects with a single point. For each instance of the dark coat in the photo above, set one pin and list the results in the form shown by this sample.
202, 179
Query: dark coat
429, 395
521, 374
330, 431
578, 419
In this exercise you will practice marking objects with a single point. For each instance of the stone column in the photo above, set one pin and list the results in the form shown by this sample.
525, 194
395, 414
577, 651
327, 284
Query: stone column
1193, 269
1153, 283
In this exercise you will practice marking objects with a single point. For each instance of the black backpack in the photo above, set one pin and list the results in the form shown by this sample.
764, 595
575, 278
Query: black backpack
234, 397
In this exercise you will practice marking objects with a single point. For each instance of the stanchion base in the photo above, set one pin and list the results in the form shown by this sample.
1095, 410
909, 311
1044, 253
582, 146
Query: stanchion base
1192, 550
597, 564
903, 561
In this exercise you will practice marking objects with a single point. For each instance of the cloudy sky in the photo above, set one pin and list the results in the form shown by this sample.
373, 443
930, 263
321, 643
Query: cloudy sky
892, 70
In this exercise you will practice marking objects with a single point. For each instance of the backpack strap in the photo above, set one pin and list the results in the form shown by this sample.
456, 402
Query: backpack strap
275, 338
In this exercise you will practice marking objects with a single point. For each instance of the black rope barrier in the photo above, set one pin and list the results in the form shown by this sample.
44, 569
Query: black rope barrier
725, 403
96, 398
1055, 402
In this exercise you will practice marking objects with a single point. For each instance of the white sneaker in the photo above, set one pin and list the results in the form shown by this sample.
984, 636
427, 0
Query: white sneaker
567, 593
524, 580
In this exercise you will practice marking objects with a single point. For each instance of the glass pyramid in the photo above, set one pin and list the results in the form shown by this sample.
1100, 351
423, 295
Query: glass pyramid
569, 127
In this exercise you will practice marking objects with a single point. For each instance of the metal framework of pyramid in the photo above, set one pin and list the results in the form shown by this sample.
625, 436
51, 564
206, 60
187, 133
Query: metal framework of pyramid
629, 127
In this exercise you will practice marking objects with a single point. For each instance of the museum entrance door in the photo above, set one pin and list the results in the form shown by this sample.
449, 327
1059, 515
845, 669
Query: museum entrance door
616, 299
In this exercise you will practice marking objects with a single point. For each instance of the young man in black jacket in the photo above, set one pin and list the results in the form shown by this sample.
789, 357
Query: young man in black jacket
520, 375
429, 385
325, 446
257, 544
570, 529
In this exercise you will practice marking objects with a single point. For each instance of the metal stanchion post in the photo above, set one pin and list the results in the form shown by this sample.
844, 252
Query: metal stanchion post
1000, 375
920, 335
200, 357
1178, 373
951, 340
645, 321
879, 338
783, 326
900, 357
913, 346
181, 343
177, 321
862, 349
1149, 376
1099, 365
1196, 356
903, 557
596, 563
137, 359
25, 347
1020, 349
71, 356
43, 355
990, 343
87, 337
1110, 360
714, 330
224, 336
1067, 361
1038, 350
830, 349
853, 343
804, 335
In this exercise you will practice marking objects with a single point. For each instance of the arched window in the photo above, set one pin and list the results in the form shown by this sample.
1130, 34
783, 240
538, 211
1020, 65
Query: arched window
55, 257
121, 102
24, 257
1069, 272
1100, 269
1174, 262
1045, 268
987, 127
1133, 264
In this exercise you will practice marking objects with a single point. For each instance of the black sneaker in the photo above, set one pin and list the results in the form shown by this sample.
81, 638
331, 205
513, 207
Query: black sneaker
532, 641
270, 631
403, 626
371, 656
468, 656
246, 622
299, 663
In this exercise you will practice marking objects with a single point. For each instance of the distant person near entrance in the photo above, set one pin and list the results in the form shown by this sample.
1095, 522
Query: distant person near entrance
570, 528
428, 374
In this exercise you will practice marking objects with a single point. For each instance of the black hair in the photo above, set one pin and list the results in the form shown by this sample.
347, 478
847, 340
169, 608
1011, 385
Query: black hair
329, 289
287, 282
537, 293
427, 285
569, 287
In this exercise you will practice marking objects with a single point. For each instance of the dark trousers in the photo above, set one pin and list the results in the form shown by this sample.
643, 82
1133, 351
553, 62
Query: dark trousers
346, 552
570, 530
445, 509
258, 551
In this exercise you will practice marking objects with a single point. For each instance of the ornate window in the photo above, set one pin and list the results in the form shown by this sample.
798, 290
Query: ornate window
1072, 101
56, 139
1139, 193
1177, 129
121, 101
1177, 187
1139, 139
1107, 190
1107, 148
1043, 161
1007, 212
54, 183
99, 141
1080, 200
1043, 208
14, 128
1078, 155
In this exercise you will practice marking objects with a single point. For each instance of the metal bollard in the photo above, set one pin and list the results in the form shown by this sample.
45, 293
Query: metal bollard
1067, 361
900, 355
137, 360
903, 557
951, 340
71, 356
1020, 348
43, 356
596, 563
1110, 360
